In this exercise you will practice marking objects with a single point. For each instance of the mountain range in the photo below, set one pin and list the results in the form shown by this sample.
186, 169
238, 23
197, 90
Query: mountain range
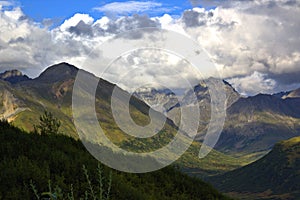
253, 124
259, 141
23, 102
262, 129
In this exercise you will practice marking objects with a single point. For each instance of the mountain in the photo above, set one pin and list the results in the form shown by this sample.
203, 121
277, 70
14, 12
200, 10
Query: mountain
159, 99
24, 102
201, 91
13, 76
167, 99
57, 73
293, 94
289, 94
10, 103
253, 124
275, 176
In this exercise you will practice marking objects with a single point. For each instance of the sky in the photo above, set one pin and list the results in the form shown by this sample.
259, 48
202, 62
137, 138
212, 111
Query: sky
254, 44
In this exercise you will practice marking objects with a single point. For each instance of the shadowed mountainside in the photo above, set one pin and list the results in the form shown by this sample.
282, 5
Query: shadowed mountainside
275, 176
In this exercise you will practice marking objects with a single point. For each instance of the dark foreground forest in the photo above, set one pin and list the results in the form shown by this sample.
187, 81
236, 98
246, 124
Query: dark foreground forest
32, 164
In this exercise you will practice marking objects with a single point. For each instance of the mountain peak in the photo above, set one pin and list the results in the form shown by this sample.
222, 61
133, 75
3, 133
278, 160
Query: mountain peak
13, 76
10, 73
294, 94
58, 72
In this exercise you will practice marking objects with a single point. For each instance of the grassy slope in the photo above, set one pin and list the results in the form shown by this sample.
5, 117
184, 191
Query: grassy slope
277, 175
256, 131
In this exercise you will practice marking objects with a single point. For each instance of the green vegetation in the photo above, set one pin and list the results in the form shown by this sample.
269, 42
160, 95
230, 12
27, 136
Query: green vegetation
48, 124
275, 176
255, 124
97, 193
32, 160
52, 91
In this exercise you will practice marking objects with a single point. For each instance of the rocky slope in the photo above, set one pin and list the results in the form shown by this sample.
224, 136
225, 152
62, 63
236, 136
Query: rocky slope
253, 124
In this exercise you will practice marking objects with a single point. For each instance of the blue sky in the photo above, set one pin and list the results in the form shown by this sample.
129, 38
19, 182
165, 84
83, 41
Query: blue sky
58, 11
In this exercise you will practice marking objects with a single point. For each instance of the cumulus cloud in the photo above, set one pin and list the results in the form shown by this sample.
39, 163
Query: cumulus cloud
75, 20
250, 36
151, 67
5, 4
26, 46
250, 41
253, 84
129, 7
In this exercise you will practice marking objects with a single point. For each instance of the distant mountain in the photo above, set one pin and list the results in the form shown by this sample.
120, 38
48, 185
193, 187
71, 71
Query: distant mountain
13, 76
293, 94
23, 103
201, 91
280, 94
167, 99
159, 99
253, 124
289, 94
275, 176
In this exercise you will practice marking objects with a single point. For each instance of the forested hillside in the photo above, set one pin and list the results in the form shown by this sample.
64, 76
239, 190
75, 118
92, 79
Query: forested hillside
37, 159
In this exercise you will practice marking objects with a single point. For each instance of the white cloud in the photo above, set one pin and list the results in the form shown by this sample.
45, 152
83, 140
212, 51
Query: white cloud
253, 84
4, 4
74, 20
152, 67
167, 22
129, 7
250, 36
251, 42
25, 45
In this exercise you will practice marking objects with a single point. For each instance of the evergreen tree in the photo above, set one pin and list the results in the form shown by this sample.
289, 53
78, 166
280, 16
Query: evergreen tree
48, 124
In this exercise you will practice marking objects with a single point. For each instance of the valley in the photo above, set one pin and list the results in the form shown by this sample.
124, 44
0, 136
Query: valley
255, 144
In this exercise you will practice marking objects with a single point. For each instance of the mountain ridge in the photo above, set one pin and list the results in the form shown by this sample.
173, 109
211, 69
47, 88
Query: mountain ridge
40, 94
253, 124
13, 76
275, 176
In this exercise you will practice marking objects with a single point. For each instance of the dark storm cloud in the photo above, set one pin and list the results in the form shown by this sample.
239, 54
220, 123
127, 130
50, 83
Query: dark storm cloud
286, 78
130, 23
193, 19
82, 29
126, 26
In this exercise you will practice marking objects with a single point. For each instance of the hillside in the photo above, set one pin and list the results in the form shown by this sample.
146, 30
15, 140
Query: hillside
52, 91
253, 124
59, 159
275, 176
